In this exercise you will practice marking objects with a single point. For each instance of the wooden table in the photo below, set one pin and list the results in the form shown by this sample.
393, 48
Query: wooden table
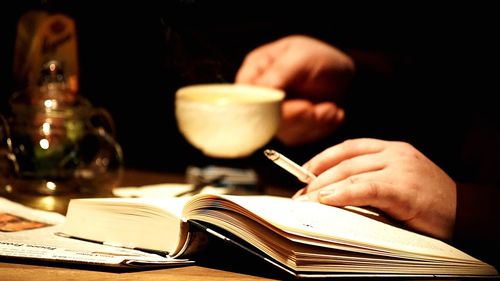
206, 270
12, 271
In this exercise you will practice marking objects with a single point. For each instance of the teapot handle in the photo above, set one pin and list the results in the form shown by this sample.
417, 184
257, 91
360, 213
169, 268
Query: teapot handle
101, 119
106, 130
8, 162
102, 156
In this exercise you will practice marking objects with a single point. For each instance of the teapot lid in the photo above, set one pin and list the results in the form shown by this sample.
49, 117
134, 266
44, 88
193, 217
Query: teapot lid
21, 103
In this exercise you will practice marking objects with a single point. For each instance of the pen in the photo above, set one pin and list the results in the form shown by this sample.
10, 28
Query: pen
300, 172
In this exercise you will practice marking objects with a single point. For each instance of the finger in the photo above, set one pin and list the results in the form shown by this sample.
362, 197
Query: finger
295, 109
302, 196
303, 121
375, 192
257, 62
328, 114
299, 193
293, 121
353, 193
321, 114
352, 167
252, 68
343, 151
282, 72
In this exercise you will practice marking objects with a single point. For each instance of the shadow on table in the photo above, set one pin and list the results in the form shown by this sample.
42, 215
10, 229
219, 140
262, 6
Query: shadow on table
81, 266
223, 256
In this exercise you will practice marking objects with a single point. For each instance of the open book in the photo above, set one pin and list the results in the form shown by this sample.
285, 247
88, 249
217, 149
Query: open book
306, 239
27, 235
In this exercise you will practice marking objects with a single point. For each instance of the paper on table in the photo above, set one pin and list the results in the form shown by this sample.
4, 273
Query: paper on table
43, 244
13, 208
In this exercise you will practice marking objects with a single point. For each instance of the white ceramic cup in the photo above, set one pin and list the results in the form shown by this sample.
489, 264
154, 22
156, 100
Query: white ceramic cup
228, 120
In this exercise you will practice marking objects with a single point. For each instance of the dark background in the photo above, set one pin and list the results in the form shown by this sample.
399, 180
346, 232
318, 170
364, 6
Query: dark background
424, 71
427, 74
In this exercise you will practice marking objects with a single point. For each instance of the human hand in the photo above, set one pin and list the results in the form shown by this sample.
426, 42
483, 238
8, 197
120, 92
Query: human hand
391, 176
314, 75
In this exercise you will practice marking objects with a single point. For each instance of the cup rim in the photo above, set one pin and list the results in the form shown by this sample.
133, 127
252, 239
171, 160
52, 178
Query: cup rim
254, 94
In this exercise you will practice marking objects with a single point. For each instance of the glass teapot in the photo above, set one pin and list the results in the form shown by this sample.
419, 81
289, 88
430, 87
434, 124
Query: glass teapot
59, 144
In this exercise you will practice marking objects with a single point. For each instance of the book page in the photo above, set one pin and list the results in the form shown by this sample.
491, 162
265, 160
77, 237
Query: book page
335, 224
144, 223
29, 233
162, 190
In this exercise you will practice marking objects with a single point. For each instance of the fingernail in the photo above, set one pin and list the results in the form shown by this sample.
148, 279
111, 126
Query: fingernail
328, 192
302, 198
298, 193
306, 166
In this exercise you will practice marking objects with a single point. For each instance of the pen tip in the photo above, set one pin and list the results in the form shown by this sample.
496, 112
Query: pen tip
268, 152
